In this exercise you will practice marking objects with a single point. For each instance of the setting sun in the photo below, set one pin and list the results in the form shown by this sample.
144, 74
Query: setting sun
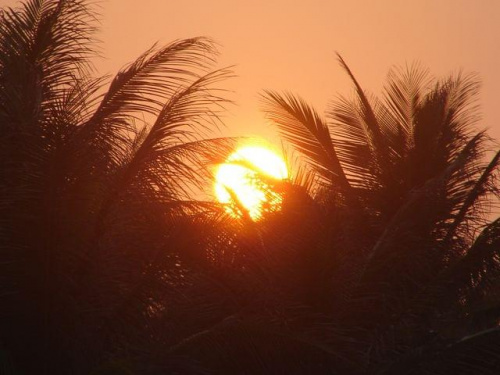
240, 178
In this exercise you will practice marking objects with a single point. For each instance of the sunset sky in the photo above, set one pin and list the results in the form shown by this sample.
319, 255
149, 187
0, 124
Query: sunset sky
291, 45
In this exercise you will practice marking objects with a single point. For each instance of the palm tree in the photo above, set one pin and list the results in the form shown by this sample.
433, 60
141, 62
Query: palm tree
403, 189
96, 187
382, 260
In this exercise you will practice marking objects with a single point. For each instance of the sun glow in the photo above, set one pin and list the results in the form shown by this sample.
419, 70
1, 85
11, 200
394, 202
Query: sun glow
240, 182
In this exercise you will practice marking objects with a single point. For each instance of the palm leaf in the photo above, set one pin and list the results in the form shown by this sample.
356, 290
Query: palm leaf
403, 224
169, 160
404, 92
300, 125
480, 267
479, 189
43, 47
185, 117
352, 143
143, 87
370, 121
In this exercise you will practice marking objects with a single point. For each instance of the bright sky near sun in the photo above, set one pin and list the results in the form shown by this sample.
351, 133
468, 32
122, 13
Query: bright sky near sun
290, 45
239, 178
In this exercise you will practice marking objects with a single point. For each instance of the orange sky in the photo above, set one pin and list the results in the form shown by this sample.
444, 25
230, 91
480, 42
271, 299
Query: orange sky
290, 45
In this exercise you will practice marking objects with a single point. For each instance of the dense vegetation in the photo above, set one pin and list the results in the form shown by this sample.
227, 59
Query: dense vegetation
381, 261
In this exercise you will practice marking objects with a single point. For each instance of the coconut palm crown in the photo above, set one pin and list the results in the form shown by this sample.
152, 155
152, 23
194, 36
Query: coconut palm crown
94, 175
409, 263
381, 261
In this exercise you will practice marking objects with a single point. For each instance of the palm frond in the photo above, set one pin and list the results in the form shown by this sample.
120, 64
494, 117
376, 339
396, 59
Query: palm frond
44, 47
301, 176
481, 187
368, 116
480, 267
466, 291
444, 120
169, 160
300, 125
463, 100
184, 118
404, 92
144, 86
386, 256
352, 142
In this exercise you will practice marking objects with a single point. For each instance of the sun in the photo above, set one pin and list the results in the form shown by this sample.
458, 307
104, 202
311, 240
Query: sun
240, 181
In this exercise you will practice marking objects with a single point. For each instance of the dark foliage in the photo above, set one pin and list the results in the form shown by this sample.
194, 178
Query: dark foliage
381, 260
92, 185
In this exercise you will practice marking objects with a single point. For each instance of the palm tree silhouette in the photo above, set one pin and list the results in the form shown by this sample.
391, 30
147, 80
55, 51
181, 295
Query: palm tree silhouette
403, 189
95, 184
382, 260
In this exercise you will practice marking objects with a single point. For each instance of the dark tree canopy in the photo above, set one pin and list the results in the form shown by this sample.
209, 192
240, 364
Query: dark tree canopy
381, 261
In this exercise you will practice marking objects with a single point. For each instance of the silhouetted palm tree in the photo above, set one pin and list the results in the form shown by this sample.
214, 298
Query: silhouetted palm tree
382, 260
95, 186
403, 189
